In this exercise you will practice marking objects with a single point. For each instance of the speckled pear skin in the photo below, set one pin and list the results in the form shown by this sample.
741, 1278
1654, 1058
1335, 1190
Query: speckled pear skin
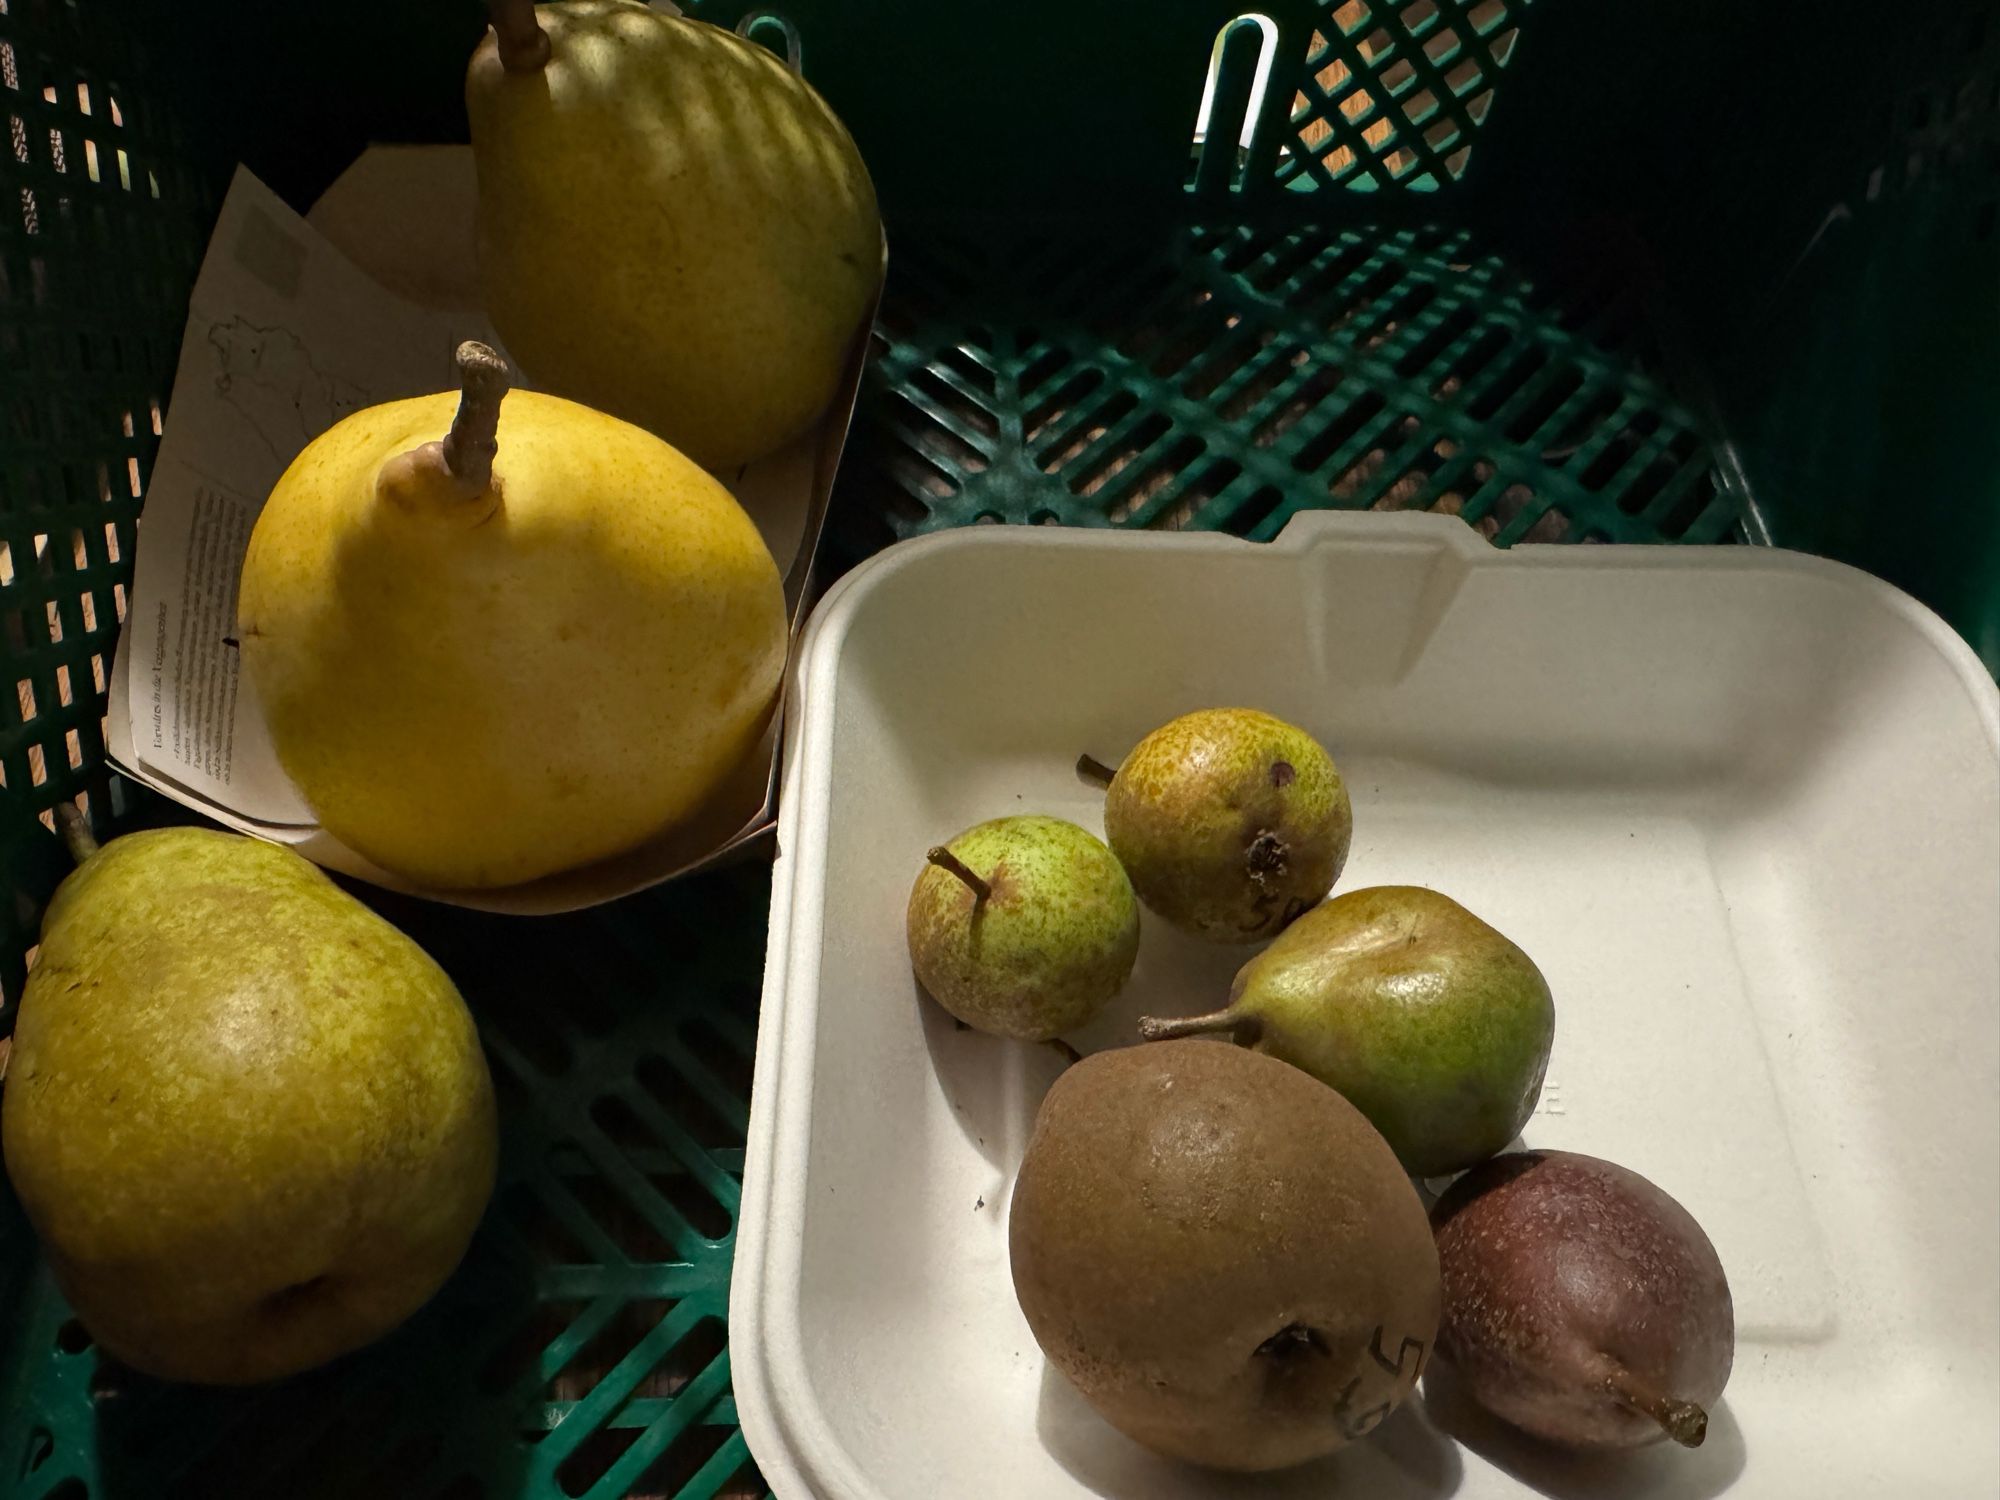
673, 227
1565, 1276
1432, 1023
1230, 822
1044, 953
249, 1119
1221, 1255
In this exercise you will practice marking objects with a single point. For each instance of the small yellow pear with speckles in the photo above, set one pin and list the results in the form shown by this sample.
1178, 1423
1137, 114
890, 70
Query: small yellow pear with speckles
499, 644
1231, 822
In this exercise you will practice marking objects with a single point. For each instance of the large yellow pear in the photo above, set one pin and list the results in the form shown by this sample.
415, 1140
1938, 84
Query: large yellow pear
673, 226
487, 656
249, 1119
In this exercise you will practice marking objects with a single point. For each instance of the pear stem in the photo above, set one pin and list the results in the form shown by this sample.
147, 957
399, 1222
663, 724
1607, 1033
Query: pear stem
944, 859
441, 477
75, 831
1684, 1421
1091, 769
1245, 1031
524, 46
470, 445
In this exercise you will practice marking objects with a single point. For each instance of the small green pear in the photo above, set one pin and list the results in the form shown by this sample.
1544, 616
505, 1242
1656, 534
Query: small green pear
1434, 1025
1229, 821
248, 1118
1023, 927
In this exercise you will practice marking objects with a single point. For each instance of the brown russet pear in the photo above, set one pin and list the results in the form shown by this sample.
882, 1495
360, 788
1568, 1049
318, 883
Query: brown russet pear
1221, 1255
248, 1118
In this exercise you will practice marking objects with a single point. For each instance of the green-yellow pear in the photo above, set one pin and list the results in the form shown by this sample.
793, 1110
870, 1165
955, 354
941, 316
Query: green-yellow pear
487, 657
1433, 1024
673, 226
1230, 822
249, 1119
1023, 927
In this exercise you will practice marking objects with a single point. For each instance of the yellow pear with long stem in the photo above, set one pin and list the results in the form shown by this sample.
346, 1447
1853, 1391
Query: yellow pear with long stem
497, 634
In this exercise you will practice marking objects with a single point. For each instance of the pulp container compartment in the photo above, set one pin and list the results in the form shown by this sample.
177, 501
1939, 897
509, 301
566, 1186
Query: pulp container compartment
1643, 272
1742, 807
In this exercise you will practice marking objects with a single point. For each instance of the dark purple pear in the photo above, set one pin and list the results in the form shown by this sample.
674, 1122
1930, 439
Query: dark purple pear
1581, 1303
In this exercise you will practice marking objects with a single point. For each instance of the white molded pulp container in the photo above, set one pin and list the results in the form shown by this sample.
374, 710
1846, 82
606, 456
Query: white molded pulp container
1743, 808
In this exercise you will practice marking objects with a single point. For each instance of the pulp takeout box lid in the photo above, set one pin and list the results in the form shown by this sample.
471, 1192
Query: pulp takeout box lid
293, 323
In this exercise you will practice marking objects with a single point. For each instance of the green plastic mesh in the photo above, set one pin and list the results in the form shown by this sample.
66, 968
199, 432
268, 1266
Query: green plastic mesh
1227, 379
100, 230
1392, 94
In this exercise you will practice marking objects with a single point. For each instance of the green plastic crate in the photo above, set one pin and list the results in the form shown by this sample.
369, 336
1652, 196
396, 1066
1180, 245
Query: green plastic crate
1576, 272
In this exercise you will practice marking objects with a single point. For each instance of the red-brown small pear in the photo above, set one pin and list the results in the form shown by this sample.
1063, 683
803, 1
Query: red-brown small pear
1581, 1303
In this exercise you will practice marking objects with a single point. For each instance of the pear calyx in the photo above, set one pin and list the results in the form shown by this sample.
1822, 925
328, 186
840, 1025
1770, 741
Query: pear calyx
1244, 1030
459, 467
1293, 1342
524, 46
